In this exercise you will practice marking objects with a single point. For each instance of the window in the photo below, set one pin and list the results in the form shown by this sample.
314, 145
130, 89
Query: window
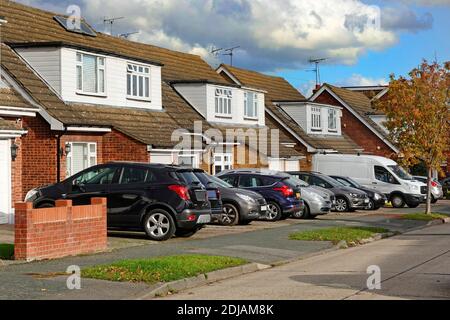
250, 182
104, 175
138, 81
222, 162
90, 73
381, 174
81, 156
320, 183
223, 101
250, 105
188, 177
316, 121
230, 180
136, 175
332, 119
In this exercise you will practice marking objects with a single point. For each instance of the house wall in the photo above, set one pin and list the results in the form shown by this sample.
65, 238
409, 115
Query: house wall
357, 131
195, 94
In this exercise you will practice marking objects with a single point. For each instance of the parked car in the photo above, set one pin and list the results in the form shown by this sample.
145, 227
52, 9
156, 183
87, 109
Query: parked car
317, 201
376, 199
283, 199
379, 173
214, 197
347, 198
150, 197
239, 206
436, 188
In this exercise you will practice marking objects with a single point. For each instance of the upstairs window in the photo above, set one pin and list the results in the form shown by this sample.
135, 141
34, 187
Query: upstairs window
138, 82
90, 74
332, 119
250, 105
223, 101
316, 121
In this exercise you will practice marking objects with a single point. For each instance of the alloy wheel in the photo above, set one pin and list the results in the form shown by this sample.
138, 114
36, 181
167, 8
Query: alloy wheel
272, 211
229, 215
158, 225
341, 205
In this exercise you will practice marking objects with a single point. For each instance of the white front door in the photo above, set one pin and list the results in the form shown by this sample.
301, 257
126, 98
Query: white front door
222, 162
5, 181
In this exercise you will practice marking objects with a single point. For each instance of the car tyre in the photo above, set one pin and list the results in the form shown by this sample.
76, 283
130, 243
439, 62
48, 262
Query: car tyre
304, 214
186, 233
45, 205
230, 215
397, 201
159, 225
413, 205
341, 204
371, 205
433, 199
245, 222
274, 212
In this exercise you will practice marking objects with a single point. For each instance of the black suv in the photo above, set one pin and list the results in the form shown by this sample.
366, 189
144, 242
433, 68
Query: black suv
162, 200
347, 198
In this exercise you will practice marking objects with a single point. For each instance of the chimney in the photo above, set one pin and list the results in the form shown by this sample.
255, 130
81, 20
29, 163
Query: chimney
316, 88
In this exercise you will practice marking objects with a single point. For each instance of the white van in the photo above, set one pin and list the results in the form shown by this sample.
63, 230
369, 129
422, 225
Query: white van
379, 173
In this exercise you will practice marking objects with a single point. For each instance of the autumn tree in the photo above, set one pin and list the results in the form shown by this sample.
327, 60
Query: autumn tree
417, 109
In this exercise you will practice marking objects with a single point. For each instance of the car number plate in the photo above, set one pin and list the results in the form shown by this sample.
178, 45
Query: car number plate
204, 218
263, 208
366, 200
297, 195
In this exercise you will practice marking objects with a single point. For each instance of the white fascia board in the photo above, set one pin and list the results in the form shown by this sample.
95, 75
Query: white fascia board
88, 129
17, 113
356, 114
12, 133
381, 94
229, 74
309, 148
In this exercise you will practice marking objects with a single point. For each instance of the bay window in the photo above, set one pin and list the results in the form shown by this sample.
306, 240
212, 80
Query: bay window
90, 73
138, 81
223, 102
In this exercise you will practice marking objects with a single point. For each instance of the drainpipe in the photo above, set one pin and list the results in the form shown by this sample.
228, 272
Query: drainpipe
59, 154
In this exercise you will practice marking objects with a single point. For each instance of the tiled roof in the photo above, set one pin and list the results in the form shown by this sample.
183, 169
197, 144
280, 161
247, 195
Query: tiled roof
9, 125
278, 89
10, 98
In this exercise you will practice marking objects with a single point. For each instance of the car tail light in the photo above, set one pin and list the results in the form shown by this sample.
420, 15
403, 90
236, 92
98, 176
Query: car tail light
285, 190
433, 184
181, 191
192, 217
218, 194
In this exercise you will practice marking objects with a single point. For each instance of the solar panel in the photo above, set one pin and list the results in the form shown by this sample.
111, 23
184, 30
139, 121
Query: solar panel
69, 25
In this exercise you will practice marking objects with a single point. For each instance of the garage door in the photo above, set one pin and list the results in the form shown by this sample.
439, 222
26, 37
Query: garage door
163, 158
5, 181
276, 164
292, 165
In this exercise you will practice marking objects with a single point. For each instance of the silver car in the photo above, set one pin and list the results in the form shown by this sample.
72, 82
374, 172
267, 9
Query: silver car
436, 188
318, 201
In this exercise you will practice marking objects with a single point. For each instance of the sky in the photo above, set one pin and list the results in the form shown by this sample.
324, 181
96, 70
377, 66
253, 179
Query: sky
363, 41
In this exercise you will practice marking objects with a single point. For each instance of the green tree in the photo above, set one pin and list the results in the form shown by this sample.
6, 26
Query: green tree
417, 111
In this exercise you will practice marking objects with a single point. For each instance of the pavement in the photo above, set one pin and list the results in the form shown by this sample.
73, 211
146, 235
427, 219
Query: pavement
260, 242
415, 265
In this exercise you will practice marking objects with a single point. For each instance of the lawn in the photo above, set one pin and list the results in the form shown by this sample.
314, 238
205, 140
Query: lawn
337, 234
423, 216
6, 251
161, 269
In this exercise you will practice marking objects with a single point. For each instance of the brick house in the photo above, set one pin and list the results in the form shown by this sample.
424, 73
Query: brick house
360, 120
316, 127
87, 98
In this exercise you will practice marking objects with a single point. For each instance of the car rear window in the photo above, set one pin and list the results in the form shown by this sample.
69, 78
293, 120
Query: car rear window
188, 177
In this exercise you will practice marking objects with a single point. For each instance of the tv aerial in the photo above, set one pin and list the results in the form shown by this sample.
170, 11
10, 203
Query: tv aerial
317, 68
110, 21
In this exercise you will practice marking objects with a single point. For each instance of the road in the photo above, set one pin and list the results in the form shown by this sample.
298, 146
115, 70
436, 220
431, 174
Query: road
415, 265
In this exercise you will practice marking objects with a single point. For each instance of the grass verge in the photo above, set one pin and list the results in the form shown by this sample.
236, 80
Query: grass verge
423, 216
337, 234
6, 251
161, 269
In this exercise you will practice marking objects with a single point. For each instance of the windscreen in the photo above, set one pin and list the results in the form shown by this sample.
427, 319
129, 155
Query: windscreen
400, 172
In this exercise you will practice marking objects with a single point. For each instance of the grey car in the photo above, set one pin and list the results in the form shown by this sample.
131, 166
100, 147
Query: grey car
318, 201
347, 198
436, 188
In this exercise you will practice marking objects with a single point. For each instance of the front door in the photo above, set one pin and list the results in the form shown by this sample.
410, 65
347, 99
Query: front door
5, 181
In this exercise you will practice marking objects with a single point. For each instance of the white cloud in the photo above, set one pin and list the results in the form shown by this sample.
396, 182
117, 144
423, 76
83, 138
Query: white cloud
360, 80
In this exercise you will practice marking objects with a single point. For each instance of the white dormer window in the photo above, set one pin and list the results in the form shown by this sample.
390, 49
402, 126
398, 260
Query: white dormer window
250, 105
90, 74
332, 119
223, 102
316, 122
138, 82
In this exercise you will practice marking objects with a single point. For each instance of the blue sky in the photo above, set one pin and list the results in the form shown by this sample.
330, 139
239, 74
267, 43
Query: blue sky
279, 37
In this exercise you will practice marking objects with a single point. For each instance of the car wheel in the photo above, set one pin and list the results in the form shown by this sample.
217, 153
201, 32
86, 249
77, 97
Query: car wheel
433, 199
341, 204
159, 225
186, 233
397, 201
371, 205
413, 205
45, 205
245, 222
273, 211
304, 214
230, 215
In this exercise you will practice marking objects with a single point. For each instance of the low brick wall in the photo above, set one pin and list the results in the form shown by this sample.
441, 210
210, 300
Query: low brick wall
50, 233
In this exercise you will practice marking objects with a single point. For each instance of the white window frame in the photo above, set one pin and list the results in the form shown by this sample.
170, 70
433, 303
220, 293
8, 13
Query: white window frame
316, 118
69, 158
332, 114
254, 106
224, 164
223, 102
134, 70
99, 69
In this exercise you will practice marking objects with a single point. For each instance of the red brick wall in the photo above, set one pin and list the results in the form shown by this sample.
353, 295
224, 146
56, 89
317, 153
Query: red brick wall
58, 232
119, 147
357, 131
